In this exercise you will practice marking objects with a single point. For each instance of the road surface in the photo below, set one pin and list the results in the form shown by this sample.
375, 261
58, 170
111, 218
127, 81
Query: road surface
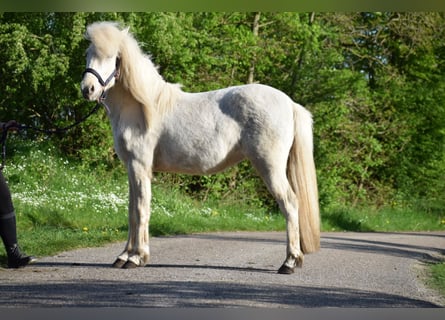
236, 269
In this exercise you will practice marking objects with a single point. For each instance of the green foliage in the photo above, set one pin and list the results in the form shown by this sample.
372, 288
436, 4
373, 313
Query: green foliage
373, 81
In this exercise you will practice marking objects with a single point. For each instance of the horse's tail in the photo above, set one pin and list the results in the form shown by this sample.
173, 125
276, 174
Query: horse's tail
302, 177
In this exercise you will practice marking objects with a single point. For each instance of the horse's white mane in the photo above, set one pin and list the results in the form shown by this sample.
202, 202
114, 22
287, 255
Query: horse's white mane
137, 73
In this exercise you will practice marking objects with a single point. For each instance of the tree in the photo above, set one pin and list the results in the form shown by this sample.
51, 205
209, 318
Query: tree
400, 56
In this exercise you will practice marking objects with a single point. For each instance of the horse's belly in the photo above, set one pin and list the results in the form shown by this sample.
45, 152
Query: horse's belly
199, 161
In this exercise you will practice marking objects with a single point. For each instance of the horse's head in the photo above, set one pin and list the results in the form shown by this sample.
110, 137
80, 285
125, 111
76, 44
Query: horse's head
103, 60
99, 75
114, 57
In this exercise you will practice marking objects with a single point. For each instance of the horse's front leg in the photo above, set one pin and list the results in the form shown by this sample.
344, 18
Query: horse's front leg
137, 252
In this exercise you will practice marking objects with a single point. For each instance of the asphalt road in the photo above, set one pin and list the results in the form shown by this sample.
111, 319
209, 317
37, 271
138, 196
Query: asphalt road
236, 269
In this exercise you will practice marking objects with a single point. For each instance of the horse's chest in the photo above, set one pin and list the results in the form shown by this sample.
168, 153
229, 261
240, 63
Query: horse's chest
130, 143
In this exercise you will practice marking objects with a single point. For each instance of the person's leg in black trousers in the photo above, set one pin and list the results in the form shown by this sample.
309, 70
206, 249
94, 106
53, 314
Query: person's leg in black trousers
8, 228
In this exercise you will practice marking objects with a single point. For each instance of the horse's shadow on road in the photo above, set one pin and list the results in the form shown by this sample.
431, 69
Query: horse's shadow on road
154, 266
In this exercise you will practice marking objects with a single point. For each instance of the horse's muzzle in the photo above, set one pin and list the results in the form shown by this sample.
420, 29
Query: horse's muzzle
88, 92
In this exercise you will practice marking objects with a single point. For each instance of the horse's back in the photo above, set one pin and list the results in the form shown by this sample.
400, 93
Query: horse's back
257, 109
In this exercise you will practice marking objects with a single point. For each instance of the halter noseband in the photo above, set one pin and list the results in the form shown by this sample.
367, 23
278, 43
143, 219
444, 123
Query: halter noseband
99, 78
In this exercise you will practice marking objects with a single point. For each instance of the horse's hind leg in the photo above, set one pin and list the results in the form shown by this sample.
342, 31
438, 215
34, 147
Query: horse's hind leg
136, 252
289, 207
294, 255
276, 181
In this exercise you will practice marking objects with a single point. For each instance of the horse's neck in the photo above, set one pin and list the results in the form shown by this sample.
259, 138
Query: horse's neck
150, 99
119, 101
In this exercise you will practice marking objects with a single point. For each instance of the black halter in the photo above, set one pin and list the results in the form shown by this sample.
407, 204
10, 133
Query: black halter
103, 83
99, 78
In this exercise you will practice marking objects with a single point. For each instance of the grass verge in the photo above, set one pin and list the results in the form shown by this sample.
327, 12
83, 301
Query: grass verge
437, 278
389, 219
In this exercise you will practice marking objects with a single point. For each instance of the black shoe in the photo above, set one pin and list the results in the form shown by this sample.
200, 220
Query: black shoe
18, 260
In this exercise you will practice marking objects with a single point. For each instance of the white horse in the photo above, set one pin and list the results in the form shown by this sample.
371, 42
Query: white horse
158, 127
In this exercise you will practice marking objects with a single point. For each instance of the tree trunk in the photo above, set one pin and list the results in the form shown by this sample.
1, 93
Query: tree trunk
255, 29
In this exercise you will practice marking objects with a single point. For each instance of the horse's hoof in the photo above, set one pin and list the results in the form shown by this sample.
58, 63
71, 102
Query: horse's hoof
286, 270
119, 263
129, 265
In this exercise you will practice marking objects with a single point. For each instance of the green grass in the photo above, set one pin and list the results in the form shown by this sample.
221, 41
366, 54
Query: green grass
388, 219
437, 277
62, 204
